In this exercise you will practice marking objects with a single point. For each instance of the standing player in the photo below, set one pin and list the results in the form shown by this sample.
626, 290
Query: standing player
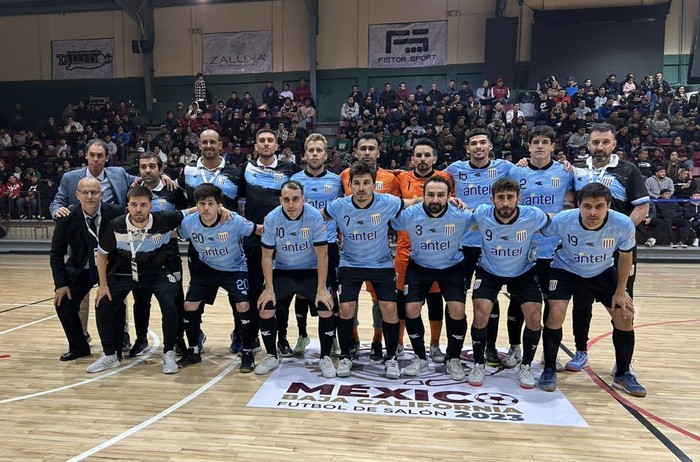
435, 230
411, 186
545, 184
506, 231
220, 263
473, 179
363, 219
629, 196
320, 188
260, 186
590, 238
294, 240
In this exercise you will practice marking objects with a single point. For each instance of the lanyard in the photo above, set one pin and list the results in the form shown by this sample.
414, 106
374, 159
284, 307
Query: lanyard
215, 173
131, 243
97, 226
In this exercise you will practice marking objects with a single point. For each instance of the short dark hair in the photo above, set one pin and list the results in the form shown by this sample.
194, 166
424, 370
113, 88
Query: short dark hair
360, 168
603, 128
265, 130
293, 185
437, 179
594, 190
205, 190
97, 141
504, 184
139, 191
543, 130
150, 155
425, 142
366, 136
478, 132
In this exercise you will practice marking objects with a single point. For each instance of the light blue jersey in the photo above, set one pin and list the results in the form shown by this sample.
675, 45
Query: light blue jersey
473, 187
507, 249
435, 241
294, 240
585, 252
319, 191
544, 188
219, 246
365, 231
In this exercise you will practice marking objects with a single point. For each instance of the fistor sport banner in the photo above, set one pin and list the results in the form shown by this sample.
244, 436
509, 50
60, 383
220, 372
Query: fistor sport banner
418, 44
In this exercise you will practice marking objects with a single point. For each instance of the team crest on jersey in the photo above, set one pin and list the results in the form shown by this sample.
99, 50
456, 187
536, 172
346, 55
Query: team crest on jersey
493, 173
379, 185
450, 229
376, 218
477, 284
305, 233
221, 180
162, 203
328, 188
555, 182
608, 242
279, 177
223, 237
552, 285
607, 181
521, 235
157, 238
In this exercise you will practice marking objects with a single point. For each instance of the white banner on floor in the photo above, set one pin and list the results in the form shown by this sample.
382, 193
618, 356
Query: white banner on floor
82, 59
417, 44
299, 385
237, 52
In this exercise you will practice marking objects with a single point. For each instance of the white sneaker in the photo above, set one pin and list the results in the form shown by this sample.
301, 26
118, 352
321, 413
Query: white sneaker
674, 245
683, 245
455, 370
300, 347
476, 376
513, 357
558, 366
344, 367
391, 369
267, 365
527, 381
170, 363
327, 367
696, 242
104, 362
650, 242
416, 366
436, 354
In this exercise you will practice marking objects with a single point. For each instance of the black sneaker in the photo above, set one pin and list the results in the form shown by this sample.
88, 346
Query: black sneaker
139, 347
355, 349
247, 362
126, 342
284, 349
180, 347
189, 358
375, 352
492, 358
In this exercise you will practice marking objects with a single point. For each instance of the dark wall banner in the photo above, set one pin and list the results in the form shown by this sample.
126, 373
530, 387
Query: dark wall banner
418, 44
82, 59
237, 53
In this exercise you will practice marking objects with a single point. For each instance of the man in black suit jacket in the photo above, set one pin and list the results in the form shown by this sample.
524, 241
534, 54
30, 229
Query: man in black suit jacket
74, 277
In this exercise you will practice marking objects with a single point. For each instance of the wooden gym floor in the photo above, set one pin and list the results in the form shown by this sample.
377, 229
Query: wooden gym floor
54, 411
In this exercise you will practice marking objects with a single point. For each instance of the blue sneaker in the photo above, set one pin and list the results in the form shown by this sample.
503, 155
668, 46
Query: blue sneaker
578, 362
236, 344
548, 380
628, 383
200, 341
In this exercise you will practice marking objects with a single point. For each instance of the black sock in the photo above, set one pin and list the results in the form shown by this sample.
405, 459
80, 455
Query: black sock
326, 334
345, 336
545, 310
551, 339
416, 334
282, 318
623, 341
581, 314
192, 321
248, 330
515, 321
236, 322
448, 324
492, 328
531, 338
479, 344
455, 340
434, 302
268, 330
391, 337
301, 310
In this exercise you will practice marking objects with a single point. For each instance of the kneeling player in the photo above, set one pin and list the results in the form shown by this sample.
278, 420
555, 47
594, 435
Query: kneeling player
590, 236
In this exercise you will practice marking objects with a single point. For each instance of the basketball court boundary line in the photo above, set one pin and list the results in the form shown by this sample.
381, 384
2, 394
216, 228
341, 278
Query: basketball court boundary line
26, 305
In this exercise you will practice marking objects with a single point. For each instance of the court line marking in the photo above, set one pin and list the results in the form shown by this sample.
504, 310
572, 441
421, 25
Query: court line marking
18, 305
27, 324
146, 423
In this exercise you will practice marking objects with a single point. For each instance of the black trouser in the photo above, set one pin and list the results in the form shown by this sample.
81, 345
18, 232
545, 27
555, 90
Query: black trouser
68, 311
681, 223
655, 224
142, 310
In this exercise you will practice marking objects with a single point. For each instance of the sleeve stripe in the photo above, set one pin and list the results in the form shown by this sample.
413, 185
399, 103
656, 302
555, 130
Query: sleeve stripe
641, 200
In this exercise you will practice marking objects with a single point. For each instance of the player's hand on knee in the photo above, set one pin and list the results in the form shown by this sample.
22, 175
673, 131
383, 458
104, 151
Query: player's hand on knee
325, 298
267, 296
102, 292
60, 293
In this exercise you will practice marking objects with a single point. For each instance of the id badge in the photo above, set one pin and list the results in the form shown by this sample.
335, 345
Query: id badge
95, 252
134, 271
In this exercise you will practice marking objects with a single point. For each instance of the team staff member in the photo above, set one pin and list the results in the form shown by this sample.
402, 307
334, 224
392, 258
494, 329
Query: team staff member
411, 186
74, 277
294, 241
629, 196
321, 186
506, 231
590, 237
435, 230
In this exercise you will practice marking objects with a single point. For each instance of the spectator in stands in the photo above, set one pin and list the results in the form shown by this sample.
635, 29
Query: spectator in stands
647, 85
629, 86
678, 122
679, 96
691, 212
672, 165
388, 98
4, 173
414, 127
543, 108
600, 99
514, 113
685, 184
122, 140
658, 182
576, 144
357, 95
658, 158
660, 82
111, 150
671, 213
606, 110
435, 93
690, 109
5, 140
28, 202
234, 102
581, 109
654, 223
302, 91
484, 94
571, 87
270, 96
500, 92
685, 153
13, 188
200, 91
496, 113
612, 86
465, 92
403, 94
668, 105
192, 112
349, 110
690, 136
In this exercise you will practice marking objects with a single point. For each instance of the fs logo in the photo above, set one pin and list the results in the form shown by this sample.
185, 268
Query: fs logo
411, 41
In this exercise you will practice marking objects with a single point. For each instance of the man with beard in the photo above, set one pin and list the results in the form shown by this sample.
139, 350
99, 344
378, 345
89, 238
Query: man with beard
629, 196
506, 230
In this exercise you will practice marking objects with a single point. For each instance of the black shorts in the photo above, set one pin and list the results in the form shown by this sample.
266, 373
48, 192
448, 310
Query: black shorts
350, 282
471, 257
524, 287
419, 279
542, 267
333, 262
297, 282
203, 283
195, 265
563, 283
